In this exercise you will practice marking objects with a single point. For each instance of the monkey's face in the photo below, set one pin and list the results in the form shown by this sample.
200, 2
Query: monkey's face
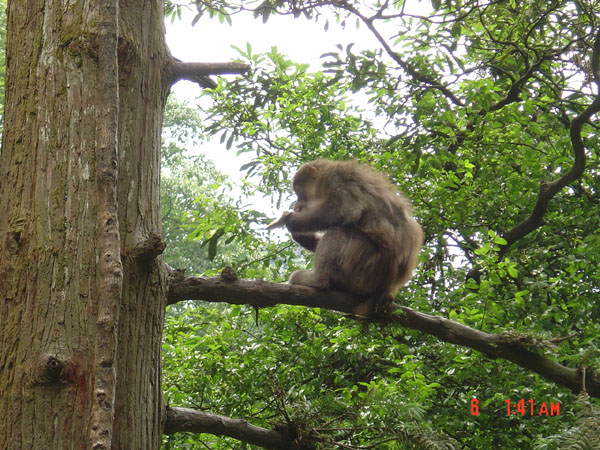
306, 187
307, 195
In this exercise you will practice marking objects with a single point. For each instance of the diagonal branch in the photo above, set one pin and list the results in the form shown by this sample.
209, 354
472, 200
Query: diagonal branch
514, 92
263, 294
409, 68
549, 189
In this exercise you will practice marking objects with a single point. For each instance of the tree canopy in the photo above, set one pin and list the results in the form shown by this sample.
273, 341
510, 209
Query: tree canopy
484, 115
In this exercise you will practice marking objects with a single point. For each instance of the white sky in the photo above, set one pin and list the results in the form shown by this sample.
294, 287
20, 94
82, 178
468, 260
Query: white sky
208, 40
300, 39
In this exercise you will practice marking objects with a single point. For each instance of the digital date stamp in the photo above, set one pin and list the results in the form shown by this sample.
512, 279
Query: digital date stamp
531, 408
523, 408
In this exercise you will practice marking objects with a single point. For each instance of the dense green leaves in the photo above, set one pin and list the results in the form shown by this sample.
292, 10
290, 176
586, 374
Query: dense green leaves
206, 225
468, 108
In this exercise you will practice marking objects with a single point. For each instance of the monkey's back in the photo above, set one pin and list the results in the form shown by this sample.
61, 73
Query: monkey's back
379, 249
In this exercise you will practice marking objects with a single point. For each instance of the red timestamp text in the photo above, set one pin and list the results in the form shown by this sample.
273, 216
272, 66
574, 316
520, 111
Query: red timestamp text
529, 407
523, 407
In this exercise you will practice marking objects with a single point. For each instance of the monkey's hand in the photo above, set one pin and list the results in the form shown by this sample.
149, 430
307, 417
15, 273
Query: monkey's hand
278, 223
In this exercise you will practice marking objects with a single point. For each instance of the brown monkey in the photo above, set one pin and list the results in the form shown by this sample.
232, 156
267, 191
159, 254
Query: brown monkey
371, 242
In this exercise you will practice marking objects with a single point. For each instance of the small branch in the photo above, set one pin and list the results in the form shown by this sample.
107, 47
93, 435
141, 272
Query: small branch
184, 419
199, 72
409, 68
190, 69
514, 92
147, 250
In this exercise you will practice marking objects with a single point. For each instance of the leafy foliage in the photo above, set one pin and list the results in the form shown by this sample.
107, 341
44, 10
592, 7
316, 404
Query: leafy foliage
469, 109
200, 217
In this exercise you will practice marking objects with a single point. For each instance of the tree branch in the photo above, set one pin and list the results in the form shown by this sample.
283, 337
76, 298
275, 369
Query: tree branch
184, 419
409, 68
259, 294
263, 294
549, 189
503, 346
199, 72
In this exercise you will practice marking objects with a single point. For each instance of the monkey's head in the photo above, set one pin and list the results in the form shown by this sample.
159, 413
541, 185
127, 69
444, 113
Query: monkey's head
306, 185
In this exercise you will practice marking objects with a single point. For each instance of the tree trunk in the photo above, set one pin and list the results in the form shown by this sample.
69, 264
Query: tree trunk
80, 324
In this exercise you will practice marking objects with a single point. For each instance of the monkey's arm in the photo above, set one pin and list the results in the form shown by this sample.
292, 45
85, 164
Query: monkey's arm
323, 215
307, 240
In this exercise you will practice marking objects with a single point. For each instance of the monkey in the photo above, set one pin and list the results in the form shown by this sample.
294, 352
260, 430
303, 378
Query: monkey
360, 228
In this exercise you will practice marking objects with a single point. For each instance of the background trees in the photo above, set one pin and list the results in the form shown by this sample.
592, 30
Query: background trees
483, 113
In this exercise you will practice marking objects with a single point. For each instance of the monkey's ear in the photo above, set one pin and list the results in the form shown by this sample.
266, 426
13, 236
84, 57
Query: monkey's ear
305, 173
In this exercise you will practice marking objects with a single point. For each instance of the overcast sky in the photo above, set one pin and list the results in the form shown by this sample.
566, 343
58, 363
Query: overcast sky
208, 40
302, 40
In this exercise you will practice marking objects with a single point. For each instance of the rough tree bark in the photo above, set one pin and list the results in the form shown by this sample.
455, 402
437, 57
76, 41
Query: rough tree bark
81, 321
82, 283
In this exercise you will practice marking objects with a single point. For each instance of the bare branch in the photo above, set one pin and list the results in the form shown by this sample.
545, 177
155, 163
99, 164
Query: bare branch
263, 294
184, 419
199, 72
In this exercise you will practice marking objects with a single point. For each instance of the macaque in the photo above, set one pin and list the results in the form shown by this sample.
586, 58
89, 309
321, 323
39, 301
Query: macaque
360, 228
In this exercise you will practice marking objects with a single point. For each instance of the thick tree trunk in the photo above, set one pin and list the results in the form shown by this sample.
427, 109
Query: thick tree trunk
55, 321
